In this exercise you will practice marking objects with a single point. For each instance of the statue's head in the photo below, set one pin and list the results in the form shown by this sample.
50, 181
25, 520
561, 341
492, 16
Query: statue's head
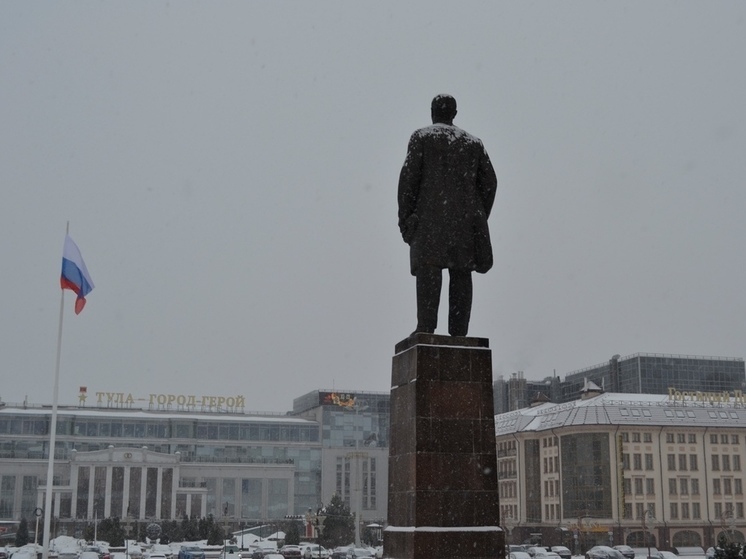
443, 108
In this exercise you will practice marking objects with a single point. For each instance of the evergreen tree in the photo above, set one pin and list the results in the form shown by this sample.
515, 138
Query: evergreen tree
339, 525
22, 535
190, 529
292, 533
111, 531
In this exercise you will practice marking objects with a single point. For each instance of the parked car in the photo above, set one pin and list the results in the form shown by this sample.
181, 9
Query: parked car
314, 551
644, 553
531, 550
101, 551
625, 550
668, 555
360, 553
562, 551
191, 552
291, 552
519, 555
603, 552
340, 552
543, 554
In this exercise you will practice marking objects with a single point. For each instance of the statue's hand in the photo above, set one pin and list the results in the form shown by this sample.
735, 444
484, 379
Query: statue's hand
409, 227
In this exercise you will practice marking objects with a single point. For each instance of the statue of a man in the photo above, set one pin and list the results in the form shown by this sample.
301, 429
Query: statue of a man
446, 190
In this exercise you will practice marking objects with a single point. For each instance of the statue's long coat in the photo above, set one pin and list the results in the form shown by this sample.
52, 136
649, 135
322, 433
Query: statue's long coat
446, 190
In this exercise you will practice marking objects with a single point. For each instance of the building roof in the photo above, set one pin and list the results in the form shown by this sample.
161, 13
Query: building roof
702, 409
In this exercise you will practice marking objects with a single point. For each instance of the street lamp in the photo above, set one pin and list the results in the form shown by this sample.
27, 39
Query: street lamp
509, 523
648, 521
728, 521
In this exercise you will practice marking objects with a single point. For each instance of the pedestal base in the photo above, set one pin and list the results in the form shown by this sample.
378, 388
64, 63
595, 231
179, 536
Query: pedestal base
443, 499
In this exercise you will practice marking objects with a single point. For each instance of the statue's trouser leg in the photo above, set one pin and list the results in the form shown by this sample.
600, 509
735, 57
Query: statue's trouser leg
429, 281
459, 302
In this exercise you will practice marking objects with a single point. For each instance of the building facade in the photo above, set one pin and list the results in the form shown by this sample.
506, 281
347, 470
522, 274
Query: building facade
614, 468
195, 458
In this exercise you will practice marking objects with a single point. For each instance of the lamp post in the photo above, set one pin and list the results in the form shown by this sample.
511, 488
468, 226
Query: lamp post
509, 523
648, 521
728, 522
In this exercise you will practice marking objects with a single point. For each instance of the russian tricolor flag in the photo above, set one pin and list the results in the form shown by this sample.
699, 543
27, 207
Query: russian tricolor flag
74, 273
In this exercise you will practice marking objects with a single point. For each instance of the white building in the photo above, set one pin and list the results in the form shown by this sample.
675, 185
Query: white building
625, 468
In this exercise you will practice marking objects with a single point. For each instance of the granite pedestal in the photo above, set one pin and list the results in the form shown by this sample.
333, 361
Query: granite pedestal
443, 498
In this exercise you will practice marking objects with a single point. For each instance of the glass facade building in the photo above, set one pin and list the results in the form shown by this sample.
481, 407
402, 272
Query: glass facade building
162, 464
641, 373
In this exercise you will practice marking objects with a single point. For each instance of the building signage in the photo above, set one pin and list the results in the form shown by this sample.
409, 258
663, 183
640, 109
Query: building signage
343, 400
724, 397
189, 402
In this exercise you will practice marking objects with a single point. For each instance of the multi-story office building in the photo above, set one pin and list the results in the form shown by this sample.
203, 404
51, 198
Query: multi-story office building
641, 373
625, 468
195, 456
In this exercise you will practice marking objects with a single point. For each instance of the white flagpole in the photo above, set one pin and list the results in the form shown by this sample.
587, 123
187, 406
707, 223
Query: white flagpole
53, 429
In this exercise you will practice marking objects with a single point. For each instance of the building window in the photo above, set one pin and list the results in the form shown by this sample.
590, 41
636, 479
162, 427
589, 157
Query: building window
739, 510
696, 513
695, 486
647, 437
716, 488
625, 437
648, 461
683, 486
723, 439
715, 463
638, 486
671, 462
628, 510
682, 462
669, 437
738, 486
718, 510
734, 439
627, 486
693, 463
635, 437
672, 486
727, 486
639, 510
685, 511
692, 438
649, 486
736, 463
680, 438
674, 511
726, 462
625, 461
637, 458
713, 439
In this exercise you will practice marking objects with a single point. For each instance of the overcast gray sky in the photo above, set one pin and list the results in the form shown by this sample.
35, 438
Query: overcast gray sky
229, 171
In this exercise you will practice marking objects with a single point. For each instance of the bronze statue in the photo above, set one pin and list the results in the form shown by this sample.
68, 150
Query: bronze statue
446, 190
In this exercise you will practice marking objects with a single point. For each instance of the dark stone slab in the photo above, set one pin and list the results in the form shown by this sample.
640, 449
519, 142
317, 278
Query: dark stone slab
443, 498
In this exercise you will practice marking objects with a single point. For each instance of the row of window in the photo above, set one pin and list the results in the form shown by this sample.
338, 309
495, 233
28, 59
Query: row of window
723, 462
161, 429
640, 509
551, 488
680, 438
550, 441
727, 486
552, 512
